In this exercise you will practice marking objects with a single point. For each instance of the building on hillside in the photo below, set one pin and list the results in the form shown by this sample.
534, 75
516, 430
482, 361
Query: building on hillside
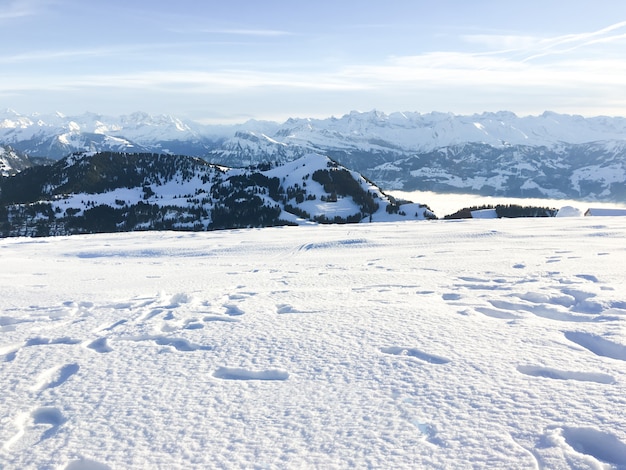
484, 214
606, 212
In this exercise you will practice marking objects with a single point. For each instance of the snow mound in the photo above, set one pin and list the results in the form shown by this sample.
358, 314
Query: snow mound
569, 211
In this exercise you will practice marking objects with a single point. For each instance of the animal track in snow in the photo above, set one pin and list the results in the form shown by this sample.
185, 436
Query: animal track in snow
416, 353
549, 373
600, 445
56, 376
228, 373
597, 345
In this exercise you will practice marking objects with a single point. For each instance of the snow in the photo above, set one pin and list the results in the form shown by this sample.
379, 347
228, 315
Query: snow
442, 344
569, 211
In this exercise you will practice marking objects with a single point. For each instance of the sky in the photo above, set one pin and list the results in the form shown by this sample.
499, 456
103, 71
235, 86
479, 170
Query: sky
225, 62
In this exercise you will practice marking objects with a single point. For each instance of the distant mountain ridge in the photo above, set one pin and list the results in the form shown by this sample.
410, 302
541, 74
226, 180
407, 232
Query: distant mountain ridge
550, 155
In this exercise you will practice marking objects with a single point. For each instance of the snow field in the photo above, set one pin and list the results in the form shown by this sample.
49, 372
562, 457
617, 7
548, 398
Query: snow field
459, 344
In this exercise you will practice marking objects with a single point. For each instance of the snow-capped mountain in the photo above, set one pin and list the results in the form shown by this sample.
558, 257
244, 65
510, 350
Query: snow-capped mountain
12, 162
114, 192
550, 155
56, 136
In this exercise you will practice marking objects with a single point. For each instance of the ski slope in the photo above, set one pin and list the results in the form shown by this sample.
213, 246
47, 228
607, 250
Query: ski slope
443, 344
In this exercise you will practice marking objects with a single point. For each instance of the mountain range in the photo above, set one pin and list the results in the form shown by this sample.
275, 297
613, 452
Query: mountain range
549, 155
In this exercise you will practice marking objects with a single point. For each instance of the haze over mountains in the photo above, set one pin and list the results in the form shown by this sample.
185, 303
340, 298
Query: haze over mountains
550, 155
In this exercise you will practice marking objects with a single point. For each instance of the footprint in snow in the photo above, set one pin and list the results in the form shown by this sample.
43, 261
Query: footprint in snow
555, 374
282, 309
228, 373
114, 325
597, 345
603, 446
416, 353
218, 318
180, 344
35, 427
100, 345
9, 353
86, 464
588, 277
497, 313
193, 324
55, 377
41, 341
233, 310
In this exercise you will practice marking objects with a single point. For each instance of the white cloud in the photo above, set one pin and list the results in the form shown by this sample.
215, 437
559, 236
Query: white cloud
250, 32
22, 8
233, 31
535, 47
502, 42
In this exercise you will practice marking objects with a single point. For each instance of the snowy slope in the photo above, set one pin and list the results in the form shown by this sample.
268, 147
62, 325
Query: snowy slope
111, 192
470, 344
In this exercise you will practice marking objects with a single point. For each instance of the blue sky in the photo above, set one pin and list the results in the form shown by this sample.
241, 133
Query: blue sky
229, 61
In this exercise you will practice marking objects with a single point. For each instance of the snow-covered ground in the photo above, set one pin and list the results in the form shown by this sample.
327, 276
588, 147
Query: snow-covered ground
443, 344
